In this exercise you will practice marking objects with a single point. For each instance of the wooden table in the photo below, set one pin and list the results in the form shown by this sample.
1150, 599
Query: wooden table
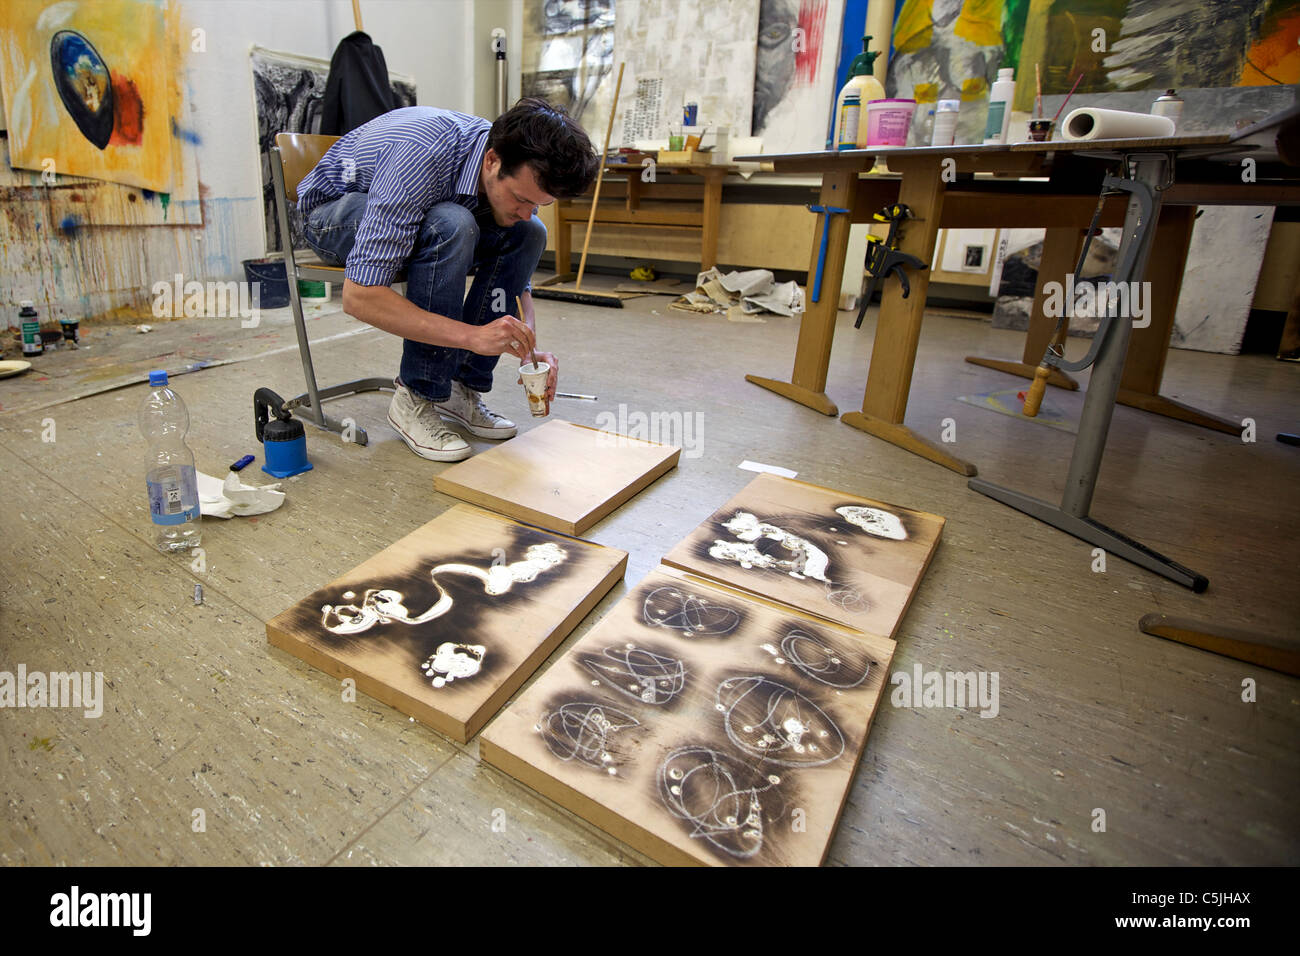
658, 210
937, 184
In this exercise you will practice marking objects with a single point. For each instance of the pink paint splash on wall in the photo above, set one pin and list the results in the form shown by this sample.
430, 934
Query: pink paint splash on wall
812, 25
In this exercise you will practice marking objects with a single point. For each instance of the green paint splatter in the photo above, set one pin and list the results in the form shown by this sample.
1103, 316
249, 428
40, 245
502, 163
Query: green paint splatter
1013, 31
166, 198
42, 743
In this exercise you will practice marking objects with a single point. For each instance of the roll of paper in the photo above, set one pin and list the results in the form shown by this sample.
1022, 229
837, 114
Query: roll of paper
1089, 122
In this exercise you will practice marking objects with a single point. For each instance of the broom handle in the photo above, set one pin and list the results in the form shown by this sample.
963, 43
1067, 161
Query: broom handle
600, 176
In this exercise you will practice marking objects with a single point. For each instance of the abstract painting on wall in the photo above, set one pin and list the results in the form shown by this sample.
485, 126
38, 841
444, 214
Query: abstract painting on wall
91, 89
794, 73
288, 90
700, 725
568, 50
852, 560
952, 49
449, 621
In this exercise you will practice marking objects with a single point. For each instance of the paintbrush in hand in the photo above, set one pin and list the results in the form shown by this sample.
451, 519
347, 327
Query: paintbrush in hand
519, 303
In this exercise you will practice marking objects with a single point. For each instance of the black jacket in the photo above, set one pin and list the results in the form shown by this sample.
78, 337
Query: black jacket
357, 89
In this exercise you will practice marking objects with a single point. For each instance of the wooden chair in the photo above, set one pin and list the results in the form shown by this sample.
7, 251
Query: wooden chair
292, 157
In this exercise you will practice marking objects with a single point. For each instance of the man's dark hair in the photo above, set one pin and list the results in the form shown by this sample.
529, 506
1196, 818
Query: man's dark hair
550, 141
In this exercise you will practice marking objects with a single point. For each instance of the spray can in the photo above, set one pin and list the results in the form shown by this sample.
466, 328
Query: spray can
1169, 105
31, 328
850, 116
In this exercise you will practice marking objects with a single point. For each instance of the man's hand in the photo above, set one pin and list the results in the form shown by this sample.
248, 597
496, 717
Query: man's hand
506, 335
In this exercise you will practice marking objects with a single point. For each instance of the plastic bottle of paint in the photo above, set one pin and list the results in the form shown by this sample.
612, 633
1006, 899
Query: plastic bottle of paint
30, 323
172, 484
995, 128
945, 123
867, 88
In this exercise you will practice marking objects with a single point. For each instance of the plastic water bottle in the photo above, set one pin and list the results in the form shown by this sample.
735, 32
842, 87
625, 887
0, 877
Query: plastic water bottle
173, 488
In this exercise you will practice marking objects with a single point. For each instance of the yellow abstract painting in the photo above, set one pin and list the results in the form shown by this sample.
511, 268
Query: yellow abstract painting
90, 88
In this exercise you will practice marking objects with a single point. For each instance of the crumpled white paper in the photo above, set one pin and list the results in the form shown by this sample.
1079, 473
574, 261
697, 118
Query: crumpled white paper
232, 498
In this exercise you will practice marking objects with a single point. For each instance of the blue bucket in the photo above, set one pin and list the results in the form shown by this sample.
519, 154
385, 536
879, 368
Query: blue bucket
275, 282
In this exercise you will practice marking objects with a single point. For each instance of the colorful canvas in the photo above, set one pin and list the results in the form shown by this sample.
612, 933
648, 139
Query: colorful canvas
700, 726
852, 560
445, 624
91, 88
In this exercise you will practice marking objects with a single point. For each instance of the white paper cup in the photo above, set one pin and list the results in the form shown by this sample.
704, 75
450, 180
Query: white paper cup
535, 386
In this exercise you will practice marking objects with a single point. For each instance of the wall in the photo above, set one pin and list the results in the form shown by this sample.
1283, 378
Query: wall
108, 271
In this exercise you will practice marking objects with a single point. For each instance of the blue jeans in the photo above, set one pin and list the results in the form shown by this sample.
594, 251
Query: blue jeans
451, 244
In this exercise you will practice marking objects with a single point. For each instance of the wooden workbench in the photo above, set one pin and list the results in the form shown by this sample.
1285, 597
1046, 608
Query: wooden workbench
650, 204
937, 184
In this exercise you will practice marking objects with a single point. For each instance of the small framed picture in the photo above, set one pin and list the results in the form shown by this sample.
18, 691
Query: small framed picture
974, 257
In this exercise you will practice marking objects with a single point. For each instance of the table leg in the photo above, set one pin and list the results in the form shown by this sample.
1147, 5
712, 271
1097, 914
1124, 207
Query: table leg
812, 354
1060, 255
712, 217
1140, 386
898, 327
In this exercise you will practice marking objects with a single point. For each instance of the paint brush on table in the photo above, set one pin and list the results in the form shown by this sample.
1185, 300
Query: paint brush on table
575, 396
1067, 99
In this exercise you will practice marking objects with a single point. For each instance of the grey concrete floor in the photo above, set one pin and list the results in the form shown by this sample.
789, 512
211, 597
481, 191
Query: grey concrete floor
204, 723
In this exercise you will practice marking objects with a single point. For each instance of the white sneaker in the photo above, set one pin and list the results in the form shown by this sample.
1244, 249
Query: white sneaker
416, 420
465, 407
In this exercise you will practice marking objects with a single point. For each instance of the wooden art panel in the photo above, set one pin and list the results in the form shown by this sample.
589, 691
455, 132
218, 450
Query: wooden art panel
853, 560
445, 624
700, 725
560, 476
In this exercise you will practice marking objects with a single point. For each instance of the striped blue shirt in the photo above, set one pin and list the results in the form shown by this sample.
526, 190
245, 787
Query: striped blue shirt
407, 161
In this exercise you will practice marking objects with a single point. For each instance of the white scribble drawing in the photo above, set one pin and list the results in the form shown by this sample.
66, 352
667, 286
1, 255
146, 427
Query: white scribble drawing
452, 661
766, 718
847, 597
698, 785
638, 673
806, 560
882, 524
384, 605
580, 730
688, 613
819, 661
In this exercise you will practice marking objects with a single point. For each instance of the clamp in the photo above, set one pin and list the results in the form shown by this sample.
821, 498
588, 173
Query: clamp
883, 256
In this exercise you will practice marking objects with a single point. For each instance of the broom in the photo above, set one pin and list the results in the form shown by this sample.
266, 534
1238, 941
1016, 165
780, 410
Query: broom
576, 294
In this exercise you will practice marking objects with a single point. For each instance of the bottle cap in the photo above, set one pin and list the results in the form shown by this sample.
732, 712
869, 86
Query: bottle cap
28, 304
158, 377
1006, 73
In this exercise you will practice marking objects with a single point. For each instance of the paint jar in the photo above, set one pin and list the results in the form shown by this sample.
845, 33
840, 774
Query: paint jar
888, 120
535, 377
70, 327
30, 324
945, 123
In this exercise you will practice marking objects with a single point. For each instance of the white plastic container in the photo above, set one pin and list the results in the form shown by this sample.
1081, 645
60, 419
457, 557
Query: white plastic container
945, 122
995, 128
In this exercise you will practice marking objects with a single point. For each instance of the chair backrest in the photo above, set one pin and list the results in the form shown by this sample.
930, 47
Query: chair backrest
299, 153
